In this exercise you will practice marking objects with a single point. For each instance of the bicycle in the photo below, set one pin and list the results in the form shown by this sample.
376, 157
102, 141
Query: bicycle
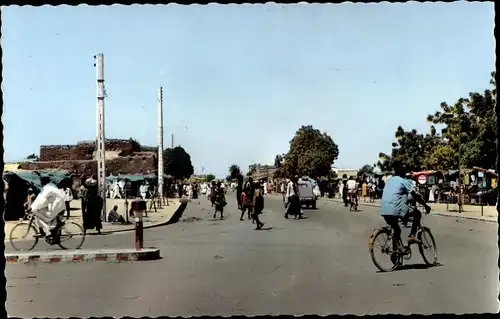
397, 257
20, 233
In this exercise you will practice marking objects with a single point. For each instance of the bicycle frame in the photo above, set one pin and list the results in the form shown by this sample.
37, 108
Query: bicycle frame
33, 221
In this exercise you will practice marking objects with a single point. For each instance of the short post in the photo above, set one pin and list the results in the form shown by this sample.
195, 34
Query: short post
138, 207
481, 203
139, 235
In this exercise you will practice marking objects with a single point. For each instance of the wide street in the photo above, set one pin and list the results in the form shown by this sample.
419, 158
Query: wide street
319, 265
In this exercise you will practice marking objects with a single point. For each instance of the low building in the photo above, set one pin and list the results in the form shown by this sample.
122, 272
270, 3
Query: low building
347, 171
123, 156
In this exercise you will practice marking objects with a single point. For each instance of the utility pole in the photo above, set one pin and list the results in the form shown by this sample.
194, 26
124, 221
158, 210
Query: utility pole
172, 140
100, 143
464, 104
160, 144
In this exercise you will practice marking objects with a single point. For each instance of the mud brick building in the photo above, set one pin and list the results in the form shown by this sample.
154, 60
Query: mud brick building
122, 157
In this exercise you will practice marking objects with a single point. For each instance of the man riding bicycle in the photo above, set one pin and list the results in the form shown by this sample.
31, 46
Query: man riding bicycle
352, 190
394, 205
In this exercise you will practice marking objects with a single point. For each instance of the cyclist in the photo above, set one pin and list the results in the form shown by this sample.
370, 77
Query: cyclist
352, 189
394, 205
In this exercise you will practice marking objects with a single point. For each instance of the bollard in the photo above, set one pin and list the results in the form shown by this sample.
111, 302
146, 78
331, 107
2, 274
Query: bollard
139, 234
138, 206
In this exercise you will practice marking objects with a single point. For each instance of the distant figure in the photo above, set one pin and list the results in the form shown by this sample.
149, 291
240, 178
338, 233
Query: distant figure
219, 200
92, 215
239, 190
258, 207
246, 203
68, 197
30, 198
114, 217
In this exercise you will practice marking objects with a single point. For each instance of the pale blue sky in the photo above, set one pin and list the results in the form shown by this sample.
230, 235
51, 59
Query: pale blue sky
356, 71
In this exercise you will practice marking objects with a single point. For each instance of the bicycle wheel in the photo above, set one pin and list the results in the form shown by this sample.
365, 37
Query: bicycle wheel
23, 236
382, 240
428, 246
71, 231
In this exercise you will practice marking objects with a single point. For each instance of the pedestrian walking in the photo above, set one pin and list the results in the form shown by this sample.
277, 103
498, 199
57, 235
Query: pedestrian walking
344, 190
293, 198
94, 203
246, 203
258, 207
239, 190
219, 200
212, 193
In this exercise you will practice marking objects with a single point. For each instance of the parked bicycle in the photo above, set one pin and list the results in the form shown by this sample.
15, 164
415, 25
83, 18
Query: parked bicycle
26, 233
395, 258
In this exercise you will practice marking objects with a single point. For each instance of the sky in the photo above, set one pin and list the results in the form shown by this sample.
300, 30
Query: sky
239, 80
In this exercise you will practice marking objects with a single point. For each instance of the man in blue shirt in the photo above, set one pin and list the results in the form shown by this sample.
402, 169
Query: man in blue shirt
394, 204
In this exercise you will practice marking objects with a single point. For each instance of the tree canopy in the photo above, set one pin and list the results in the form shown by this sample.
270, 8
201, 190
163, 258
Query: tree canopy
234, 172
311, 153
209, 178
468, 133
177, 162
33, 157
365, 169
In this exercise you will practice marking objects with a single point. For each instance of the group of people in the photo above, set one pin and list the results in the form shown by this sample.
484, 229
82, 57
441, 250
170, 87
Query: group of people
250, 200
352, 188
249, 196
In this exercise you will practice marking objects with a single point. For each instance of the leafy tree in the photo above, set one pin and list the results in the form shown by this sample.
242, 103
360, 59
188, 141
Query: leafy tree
209, 178
234, 171
365, 169
409, 150
33, 157
177, 163
311, 153
442, 157
470, 126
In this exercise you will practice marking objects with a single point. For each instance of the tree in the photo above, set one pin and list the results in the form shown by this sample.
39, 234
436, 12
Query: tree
33, 157
365, 169
409, 150
177, 163
311, 153
234, 172
470, 125
278, 160
442, 157
209, 178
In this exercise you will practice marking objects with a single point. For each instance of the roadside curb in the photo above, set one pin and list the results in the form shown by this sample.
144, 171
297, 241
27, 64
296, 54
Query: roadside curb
466, 217
84, 255
176, 216
180, 210
432, 213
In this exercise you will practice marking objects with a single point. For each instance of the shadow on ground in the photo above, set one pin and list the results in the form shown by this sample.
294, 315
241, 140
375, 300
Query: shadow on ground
178, 213
414, 267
